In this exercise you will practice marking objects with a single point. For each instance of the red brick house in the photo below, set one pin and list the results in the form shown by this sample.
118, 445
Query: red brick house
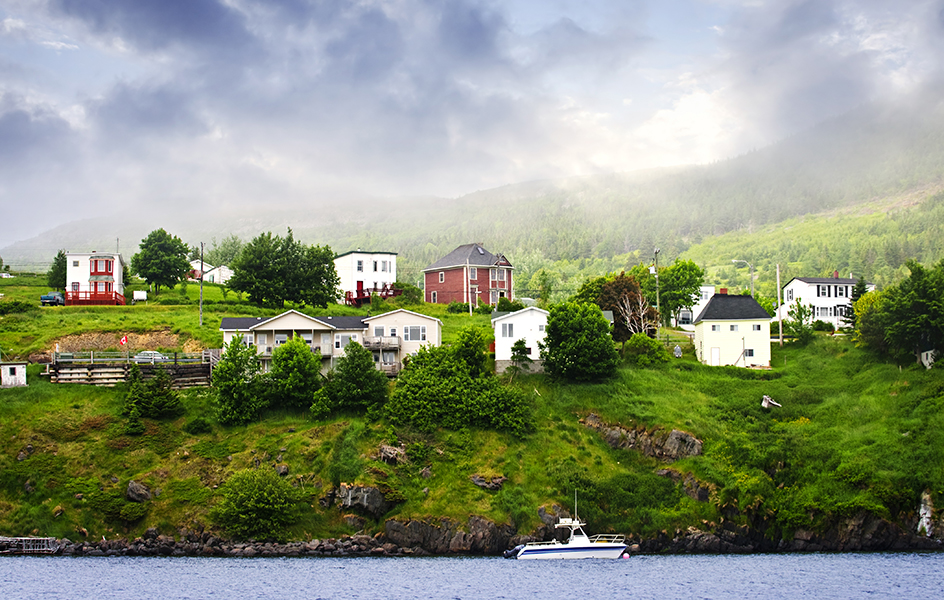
469, 272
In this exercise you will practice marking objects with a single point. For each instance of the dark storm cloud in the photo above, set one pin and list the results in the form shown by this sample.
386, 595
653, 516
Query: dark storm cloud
147, 110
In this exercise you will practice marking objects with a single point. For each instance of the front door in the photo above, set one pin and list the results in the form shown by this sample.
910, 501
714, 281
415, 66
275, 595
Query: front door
715, 357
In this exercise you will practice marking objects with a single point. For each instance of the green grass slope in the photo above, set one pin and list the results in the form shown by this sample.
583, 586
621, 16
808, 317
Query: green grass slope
853, 434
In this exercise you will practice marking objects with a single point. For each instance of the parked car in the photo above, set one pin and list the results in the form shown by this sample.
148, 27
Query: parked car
149, 356
53, 299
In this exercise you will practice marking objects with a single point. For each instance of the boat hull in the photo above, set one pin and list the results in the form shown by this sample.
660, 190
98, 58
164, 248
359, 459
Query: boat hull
565, 551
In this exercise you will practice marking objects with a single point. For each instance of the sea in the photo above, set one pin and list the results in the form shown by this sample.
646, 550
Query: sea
770, 576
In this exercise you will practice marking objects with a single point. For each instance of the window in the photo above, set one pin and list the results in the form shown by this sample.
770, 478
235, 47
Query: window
493, 274
789, 295
508, 330
247, 339
841, 291
393, 332
308, 338
756, 327
442, 277
75, 263
263, 339
75, 286
733, 327
281, 338
384, 266
379, 331
541, 327
433, 296
414, 333
501, 274
473, 273
360, 266
341, 340
716, 327
748, 352
375, 266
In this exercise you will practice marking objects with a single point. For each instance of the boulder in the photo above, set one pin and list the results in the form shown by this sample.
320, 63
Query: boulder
657, 443
494, 484
366, 499
137, 492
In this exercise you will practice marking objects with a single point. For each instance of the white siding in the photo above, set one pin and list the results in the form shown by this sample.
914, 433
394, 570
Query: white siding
528, 324
731, 344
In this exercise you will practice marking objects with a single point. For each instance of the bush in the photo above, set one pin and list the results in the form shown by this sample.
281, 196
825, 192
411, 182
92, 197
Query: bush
577, 344
355, 384
256, 504
457, 307
238, 390
506, 305
484, 309
296, 374
644, 351
152, 399
197, 426
11, 307
820, 325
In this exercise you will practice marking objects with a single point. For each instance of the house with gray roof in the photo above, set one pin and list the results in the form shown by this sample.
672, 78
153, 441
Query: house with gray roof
469, 274
733, 330
829, 297
389, 336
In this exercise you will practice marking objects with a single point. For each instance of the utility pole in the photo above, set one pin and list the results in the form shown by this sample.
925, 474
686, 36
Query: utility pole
658, 308
779, 311
201, 284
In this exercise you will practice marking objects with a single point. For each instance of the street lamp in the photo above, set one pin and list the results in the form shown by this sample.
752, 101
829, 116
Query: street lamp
737, 260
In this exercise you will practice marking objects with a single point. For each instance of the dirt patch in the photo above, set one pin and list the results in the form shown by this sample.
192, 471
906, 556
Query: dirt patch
150, 340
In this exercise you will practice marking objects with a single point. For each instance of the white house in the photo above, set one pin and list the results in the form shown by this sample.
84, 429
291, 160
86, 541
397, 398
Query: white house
830, 297
528, 324
220, 274
94, 278
12, 374
363, 273
686, 318
390, 336
733, 330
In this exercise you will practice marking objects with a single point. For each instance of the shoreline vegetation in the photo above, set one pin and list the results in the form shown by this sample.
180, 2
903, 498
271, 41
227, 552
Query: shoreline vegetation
851, 461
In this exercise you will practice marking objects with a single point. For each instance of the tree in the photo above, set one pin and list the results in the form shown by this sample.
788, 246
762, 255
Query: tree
295, 374
520, 361
256, 504
679, 287
577, 343
235, 377
162, 260
273, 270
645, 351
870, 321
631, 311
589, 292
800, 323
355, 384
56, 276
225, 252
410, 295
471, 347
858, 290
915, 312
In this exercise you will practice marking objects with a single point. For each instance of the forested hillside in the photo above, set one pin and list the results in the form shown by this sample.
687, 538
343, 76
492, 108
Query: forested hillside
582, 226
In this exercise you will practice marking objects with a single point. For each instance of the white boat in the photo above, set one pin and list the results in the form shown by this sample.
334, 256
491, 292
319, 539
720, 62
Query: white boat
578, 545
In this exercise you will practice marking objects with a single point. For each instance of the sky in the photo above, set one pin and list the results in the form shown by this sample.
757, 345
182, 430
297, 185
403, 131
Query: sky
215, 105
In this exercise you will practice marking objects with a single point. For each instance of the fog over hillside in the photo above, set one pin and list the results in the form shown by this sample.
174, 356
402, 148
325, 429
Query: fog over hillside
871, 152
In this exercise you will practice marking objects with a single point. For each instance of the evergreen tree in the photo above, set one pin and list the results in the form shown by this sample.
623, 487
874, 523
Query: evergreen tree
849, 315
56, 276
355, 384
520, 361
236, 379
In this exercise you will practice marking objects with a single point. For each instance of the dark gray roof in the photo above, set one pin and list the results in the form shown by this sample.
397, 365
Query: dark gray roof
473, 255
826, 280
343, 322
722, 307
241, 323
359, 251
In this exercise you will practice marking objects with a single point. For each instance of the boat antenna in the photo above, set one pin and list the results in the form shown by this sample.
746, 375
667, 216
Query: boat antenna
576, 518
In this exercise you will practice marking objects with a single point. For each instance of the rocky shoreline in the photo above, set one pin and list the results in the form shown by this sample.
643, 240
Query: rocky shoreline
480, 537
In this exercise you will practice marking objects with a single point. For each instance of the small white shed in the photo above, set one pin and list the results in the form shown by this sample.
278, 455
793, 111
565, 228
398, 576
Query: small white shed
12, 374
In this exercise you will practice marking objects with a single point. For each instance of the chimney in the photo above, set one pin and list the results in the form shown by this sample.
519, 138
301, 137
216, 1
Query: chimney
723, 291
835, 274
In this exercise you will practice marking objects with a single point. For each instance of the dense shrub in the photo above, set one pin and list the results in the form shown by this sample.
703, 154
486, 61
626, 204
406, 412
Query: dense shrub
820, 325
577, 344
644, 351
506, 305
197, 426
10, 307
437, 389
152, 399
354, 384
457, 307
295, 375
256, 504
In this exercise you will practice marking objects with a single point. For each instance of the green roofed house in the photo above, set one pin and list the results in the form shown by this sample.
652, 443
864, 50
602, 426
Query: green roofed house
733, 330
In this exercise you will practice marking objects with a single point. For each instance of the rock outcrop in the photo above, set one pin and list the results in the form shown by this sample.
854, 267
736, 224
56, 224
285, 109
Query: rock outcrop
665, 445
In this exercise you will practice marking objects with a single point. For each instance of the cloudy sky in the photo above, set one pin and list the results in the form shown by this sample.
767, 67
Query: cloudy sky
184, 104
